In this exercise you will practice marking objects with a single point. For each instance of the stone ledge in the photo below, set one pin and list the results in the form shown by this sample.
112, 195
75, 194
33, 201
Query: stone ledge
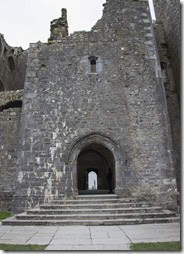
10, 96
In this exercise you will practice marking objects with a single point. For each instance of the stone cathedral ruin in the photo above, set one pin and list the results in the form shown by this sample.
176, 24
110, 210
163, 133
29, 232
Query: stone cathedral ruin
92, 102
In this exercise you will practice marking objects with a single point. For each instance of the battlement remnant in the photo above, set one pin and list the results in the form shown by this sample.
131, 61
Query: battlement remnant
59, 27
12, 66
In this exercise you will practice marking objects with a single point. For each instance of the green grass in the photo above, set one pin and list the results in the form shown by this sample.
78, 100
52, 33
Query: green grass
4, 215
161, 246
16, 247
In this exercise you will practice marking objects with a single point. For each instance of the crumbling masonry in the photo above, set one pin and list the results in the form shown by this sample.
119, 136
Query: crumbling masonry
87, 102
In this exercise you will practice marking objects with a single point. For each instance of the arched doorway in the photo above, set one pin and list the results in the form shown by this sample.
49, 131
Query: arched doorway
109, 150
93, 165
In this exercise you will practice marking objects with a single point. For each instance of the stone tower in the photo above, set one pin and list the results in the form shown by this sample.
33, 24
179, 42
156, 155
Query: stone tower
59, 27
95, 102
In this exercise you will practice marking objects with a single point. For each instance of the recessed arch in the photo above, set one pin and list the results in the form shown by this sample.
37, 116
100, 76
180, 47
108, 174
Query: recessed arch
95, 158
11, 63
103, 141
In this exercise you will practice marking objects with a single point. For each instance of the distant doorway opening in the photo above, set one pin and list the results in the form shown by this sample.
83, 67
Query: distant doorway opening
92, 180
93, 165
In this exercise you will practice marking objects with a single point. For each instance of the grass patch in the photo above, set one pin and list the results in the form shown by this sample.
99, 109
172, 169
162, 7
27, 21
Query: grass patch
161, 246
16, 247
4, 215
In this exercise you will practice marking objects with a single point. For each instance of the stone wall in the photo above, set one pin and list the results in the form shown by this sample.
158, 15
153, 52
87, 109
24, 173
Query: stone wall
172, 99
9, 128
168, 33
118, 102
168, 12
12, 66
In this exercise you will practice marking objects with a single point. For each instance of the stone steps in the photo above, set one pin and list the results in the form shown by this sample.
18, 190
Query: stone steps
96, 197
93, 206
93, 210
25, 216
77, 201
16, 222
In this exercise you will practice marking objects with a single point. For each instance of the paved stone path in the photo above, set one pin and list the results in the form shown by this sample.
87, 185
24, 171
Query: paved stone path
89, 237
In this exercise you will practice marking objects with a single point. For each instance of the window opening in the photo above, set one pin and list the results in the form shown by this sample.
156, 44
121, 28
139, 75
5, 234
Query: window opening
11, 63
163, 65
93, 63
164, 72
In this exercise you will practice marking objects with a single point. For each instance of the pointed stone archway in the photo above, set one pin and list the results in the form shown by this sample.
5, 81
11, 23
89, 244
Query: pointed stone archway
95, 158
103, 153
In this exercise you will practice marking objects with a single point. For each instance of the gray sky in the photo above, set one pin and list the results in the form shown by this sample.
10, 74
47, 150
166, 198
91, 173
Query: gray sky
25, 21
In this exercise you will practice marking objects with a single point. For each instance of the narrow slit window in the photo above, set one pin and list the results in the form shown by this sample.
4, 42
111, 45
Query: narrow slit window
164, 72
163, 65
93, 63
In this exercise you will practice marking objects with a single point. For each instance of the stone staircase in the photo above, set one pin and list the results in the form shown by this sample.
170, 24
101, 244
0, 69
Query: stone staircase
94, 210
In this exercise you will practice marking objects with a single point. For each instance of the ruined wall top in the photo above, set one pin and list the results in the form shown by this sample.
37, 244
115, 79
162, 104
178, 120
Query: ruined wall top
59, 27
12, 66
169, 14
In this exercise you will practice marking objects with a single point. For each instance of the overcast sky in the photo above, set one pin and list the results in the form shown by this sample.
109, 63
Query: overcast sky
25, 21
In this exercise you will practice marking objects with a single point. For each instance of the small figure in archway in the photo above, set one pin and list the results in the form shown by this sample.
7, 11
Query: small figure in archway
109, 180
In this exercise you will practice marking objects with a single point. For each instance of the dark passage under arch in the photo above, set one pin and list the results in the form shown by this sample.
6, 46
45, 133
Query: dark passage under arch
11, 63
98, 159
11, 104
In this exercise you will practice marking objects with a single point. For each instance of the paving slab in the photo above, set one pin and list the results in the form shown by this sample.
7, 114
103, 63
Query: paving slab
89, 237
104, 228
74, 236
17, 239
70, 228
115, 234
20, 232
111, 241
88, 247
74, 231
39, 241
43, 236
14, 241
99, 235
5, 228
2, 233
46, 231
17, 234
70, 241
152, 232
